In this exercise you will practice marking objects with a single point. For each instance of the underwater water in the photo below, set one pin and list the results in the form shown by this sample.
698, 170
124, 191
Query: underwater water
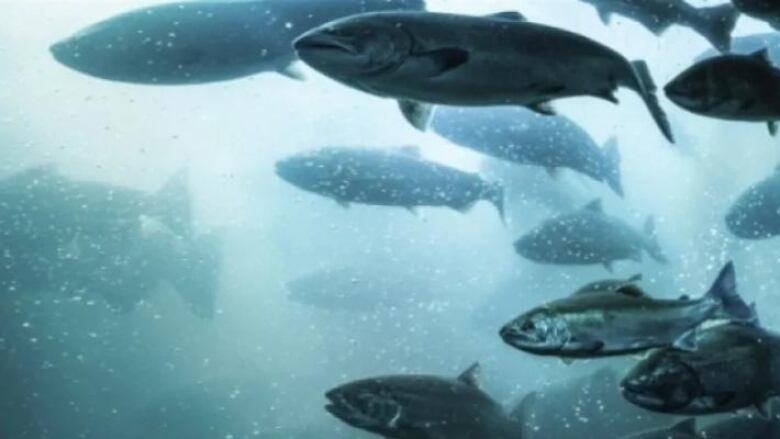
173, 268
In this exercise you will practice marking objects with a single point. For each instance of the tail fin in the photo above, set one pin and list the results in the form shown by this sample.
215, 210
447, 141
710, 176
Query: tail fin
652, 246
495, 194
716, 25
724, 292
524, 409
647, 88
172, 205
612, 164
196, 274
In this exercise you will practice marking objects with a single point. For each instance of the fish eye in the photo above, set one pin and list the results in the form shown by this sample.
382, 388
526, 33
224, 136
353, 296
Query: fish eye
528, 325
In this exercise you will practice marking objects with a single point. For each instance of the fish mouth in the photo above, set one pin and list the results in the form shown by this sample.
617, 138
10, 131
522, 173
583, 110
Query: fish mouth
524, 342
324, 42
641, 396
340, 407
680, 95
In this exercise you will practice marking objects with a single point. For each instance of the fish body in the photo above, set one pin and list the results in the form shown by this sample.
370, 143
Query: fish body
731, 87
713, 23
588, 236
524, 137
391, 177
423, 59
725, 368
422, 407
596, 323
204, 41
756, 212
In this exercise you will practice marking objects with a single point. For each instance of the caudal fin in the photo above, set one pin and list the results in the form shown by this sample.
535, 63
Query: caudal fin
647, 89
724, 292
195, 274
612, 165
652, 246
716, 25
495, 194
172, 204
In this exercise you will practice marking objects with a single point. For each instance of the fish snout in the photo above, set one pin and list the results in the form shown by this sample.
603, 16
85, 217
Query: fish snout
323, 41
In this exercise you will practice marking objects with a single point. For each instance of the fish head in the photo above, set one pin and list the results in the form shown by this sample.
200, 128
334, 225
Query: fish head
663, 382
305, 171
367, 404
355, 48
753, 215
532, 246
540, 331
698, 89
100, 50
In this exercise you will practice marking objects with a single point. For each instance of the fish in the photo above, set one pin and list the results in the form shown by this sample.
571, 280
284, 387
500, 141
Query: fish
719, 369
126, 267
731, 87
387, 177
360, 289
685, 429
588, 236
764, 10
583, 406
423, 407
521, 136
610, 319
755, 214
423, 59
747, 44
713, 23
198, 42
43, 198
746, 426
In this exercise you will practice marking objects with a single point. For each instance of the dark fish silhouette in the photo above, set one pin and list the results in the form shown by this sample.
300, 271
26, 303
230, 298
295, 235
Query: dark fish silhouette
756, 213
720, 369
204, 41
713, 23
389, 177
765, 10
731, 87
523, 137
423, 59
588, 236
423, 407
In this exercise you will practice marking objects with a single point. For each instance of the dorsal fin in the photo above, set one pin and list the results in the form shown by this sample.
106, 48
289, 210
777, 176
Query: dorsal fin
508, 15
595, 206
763, 55
470, 376
635, 278
631, 290
687, 426
688, 341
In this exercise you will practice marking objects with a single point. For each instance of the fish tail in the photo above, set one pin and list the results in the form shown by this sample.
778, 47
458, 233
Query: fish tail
171, 204
495, 194
612, 165
647, 88
724, 293
716, 25
196, 276
652, 246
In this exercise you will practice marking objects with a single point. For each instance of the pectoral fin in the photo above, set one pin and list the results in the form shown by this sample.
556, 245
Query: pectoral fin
773, 125
605, 16
440, 61
417, 113
544, 108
